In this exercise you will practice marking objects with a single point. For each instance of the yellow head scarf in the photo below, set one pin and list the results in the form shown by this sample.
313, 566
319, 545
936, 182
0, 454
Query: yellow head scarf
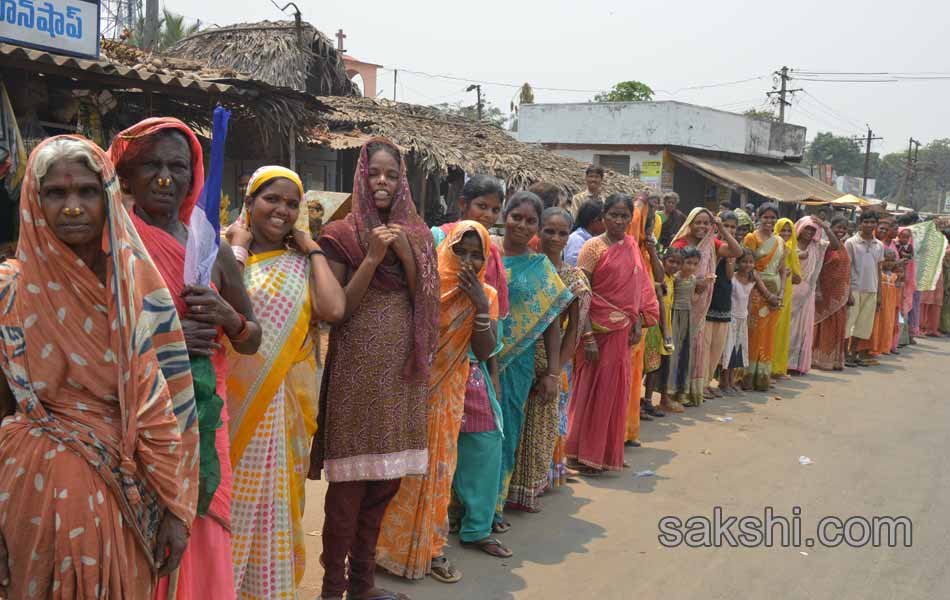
271, 172
791, 246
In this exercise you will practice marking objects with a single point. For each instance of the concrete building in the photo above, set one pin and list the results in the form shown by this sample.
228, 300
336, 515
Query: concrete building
706, 155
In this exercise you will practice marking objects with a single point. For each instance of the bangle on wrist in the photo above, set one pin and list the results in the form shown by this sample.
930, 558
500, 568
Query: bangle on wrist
317, 252
243, 334
240, 254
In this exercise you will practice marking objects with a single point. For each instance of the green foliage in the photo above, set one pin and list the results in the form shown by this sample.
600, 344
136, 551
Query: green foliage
842, 152
627, 91
491, 115
526, 96
765, 115
172, 28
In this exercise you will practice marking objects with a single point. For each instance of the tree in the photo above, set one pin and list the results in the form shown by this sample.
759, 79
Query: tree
172, 28
525, 96
765, 115
839, 151
491, 115
626, 91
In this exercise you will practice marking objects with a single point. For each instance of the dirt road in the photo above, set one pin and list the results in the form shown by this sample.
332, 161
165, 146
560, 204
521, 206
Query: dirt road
879, 442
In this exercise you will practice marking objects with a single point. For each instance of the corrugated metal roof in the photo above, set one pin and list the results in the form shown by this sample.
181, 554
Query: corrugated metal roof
11, 54
779, 181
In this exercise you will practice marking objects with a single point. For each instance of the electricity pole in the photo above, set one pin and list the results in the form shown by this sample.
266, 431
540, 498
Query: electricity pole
867, 158
478, 89
912, 170
150, 34
782, 92
395, 75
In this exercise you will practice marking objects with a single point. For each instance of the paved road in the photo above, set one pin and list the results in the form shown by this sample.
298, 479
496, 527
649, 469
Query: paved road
879, 442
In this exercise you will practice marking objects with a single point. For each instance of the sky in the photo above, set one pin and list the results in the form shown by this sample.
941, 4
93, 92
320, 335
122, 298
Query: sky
558, 45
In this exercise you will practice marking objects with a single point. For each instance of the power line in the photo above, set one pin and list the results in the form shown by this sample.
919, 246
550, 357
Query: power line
569, 90
494, 83
832, 111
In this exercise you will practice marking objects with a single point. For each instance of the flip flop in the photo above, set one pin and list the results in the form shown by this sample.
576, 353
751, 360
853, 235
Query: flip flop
490, 546
379, 594
442, 569
501, 527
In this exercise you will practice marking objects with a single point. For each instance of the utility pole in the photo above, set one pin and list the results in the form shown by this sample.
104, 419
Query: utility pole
150, 34
395, 75
912, 170
783, 75
478, 89
867, 157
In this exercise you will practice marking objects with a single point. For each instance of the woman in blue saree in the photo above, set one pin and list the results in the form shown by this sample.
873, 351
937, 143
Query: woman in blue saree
536, 297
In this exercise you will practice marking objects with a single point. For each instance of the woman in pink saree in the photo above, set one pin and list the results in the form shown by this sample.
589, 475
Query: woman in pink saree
624, 301
814, 239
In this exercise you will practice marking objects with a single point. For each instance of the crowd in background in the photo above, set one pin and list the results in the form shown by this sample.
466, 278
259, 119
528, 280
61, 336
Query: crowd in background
158, 434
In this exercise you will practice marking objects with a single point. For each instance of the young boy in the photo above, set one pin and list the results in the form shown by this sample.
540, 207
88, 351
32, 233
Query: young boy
866, 253
656, 380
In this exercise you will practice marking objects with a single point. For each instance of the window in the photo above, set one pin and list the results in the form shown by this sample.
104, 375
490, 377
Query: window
619, 163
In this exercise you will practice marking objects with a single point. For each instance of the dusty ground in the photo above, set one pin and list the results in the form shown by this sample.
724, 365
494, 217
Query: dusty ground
879, 442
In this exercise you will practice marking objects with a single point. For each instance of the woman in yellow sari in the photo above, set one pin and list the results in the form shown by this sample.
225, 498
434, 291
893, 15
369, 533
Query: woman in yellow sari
272, 395
415, 526
769, 252
785, 229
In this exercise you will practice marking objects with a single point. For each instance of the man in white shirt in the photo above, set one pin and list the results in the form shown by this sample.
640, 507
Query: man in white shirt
866, 253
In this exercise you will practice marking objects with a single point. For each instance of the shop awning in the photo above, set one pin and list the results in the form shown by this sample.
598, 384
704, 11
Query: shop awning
779, 181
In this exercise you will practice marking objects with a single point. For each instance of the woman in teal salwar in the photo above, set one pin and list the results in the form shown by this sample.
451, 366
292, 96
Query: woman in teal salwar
536, 297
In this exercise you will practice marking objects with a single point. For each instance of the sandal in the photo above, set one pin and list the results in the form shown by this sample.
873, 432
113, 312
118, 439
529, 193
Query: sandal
632, 444
501, 527
490, 546
590, 472
644, 416
655, 412
441, 569
378, 594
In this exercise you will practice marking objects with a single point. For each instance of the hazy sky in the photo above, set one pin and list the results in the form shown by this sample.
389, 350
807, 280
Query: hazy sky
668, 45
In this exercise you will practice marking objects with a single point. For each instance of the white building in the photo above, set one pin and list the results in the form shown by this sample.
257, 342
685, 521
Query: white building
706, 155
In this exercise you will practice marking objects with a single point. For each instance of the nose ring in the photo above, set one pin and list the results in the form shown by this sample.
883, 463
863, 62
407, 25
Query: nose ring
164, 182
72, 212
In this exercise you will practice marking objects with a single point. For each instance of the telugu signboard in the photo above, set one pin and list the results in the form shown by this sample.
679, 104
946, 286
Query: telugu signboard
61, 26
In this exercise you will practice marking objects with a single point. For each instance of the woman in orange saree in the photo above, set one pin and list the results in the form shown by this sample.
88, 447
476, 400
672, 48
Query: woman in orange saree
415, 526
624, 301
769, 251
160, 166
98, 450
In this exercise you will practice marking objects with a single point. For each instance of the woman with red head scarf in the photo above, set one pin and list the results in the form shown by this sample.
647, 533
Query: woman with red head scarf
372, 420
159, 163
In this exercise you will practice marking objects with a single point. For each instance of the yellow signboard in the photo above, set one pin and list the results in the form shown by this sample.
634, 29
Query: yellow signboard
651, 168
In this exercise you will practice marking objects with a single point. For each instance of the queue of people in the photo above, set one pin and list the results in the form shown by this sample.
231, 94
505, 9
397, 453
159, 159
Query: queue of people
157, 436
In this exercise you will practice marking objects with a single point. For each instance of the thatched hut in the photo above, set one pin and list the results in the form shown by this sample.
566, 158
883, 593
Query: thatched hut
442, 147
285, 54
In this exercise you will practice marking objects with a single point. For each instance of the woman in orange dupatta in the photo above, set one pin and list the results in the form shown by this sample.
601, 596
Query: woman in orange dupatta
644, 221
769, 251
415, 526
832, 299
98, 478
624, 301
159, 162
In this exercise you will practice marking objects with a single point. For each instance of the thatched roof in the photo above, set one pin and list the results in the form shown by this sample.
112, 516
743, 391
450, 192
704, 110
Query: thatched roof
268, 110
275, 52
440, 142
